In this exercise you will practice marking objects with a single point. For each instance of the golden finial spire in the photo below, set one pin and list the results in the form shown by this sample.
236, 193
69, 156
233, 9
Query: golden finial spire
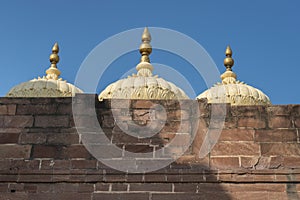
53, 72
228, 76
145, 68
146, 48
228, 61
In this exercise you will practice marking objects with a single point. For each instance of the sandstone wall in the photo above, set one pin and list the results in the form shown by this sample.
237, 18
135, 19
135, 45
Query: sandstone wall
42, 155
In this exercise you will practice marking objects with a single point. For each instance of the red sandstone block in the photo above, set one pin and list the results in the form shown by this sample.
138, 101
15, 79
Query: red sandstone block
282, 110
24, 165
36, 109
77, 178
119, 186
117, 195
115, 178
6, 138
63, 138
185, 187
177, 126
8, 177
142, 104
51, 121
63, 109
47, 151
280, 122
9, 109
9, 100
218, 123
251, 122
83, 164
102, 186
3, 187
37, 178
248, 111
32, 138
280, 149
176, 115
292, 162
123, 138
217, 194
153, 187
263, 163
76, 151
30, 188
297, 122
14, 151
249, 162
224, 162
219, 110
14, 196
73, 188
276, 135
17, 187
296, 110
236, 134
18, 121
58, 196
276, 162
55, 164
3, 110
135, 148
235, 149
99, 149
264, 178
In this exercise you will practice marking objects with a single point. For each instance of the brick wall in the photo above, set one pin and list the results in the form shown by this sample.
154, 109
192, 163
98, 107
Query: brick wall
42, 155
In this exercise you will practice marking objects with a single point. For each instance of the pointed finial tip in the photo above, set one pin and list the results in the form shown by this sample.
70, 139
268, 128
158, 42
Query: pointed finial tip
55, 48
146, 35
228, 51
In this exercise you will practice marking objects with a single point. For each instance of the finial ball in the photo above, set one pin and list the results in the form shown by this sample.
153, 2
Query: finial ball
54, 58
228, 61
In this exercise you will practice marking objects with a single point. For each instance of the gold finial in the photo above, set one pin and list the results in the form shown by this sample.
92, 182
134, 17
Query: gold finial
228, 61
145, 48
53, 72
228, 76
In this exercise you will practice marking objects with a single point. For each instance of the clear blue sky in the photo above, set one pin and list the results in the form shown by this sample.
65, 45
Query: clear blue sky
264, 36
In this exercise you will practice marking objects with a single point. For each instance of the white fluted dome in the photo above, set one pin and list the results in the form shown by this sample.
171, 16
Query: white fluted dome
47, 86
143, 85
233, 91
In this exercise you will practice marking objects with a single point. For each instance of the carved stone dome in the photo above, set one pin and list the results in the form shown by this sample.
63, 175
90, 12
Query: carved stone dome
233, 91
47, 86
143, 85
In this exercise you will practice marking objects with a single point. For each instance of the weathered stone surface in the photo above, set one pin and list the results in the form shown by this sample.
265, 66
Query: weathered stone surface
14, 151
280, 149
18, 121
280, 122
41, 156
224, 162
237, 135
251, 122
52, 121
235, 149
276, 135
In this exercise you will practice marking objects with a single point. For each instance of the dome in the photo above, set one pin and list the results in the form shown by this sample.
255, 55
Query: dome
233, 91
47, 86
143, 85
